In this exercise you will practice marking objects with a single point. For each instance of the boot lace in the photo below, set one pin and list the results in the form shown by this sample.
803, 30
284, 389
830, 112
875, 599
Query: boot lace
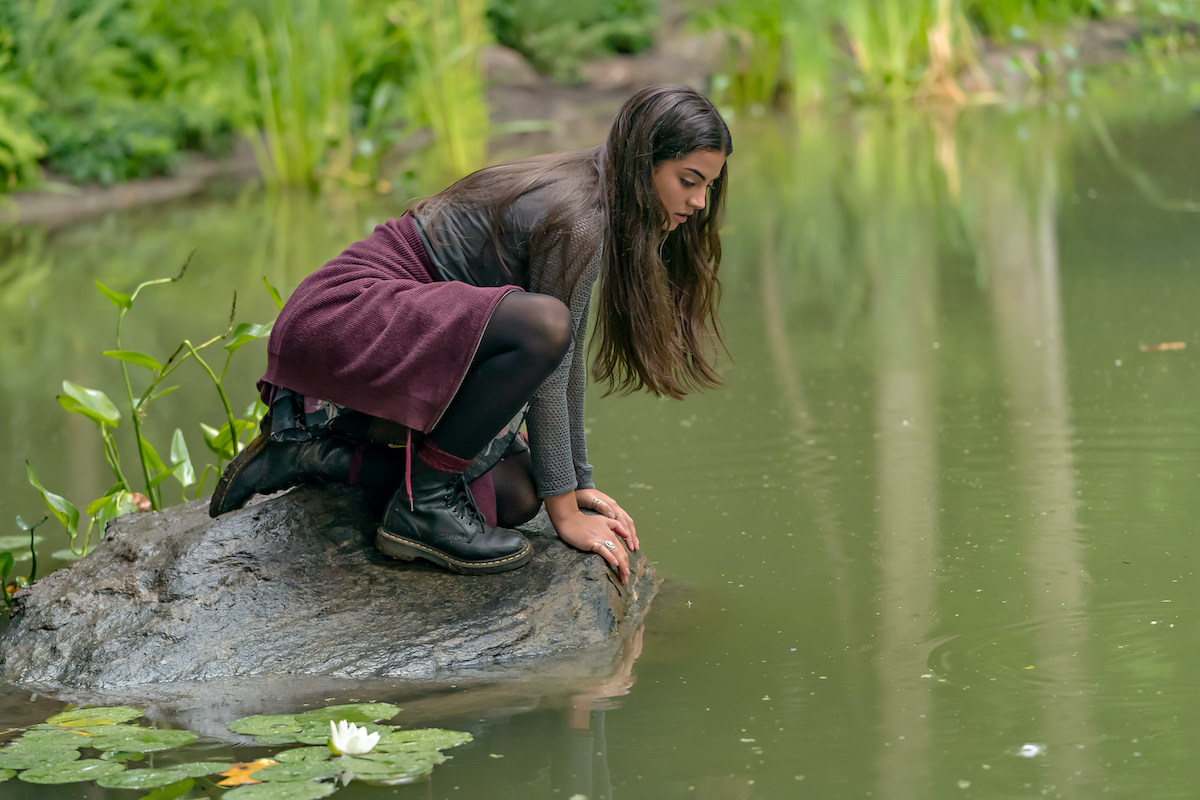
459, 500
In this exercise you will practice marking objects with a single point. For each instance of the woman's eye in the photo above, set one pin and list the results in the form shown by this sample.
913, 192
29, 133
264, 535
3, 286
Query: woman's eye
687, 184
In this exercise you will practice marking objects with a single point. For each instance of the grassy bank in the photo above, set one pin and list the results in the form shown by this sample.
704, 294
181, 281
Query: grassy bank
105, 91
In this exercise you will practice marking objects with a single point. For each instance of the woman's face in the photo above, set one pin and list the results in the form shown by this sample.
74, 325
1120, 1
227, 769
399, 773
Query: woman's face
682, 183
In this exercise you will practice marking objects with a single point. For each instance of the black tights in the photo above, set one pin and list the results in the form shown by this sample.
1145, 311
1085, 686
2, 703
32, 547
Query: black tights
525, 339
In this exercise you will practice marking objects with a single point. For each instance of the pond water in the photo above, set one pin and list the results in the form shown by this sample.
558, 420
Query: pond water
934, 538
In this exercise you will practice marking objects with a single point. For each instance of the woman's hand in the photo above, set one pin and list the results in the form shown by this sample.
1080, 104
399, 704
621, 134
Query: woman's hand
591, 533
598, 501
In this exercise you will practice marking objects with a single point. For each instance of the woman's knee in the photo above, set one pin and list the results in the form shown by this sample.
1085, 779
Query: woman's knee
517, 501
544, 323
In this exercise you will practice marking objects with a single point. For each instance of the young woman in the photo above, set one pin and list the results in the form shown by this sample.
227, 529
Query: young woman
440, 333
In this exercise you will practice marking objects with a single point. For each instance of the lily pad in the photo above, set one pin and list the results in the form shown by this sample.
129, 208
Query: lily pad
83, 717
142, 778
89, 769
422, 739
5, 774
299, 771
198, 769
121, 755
171, 791
54, 736
117, 729
353, 712
391, 766
263, 724
278, 738
18, 541
27, 755
149, 740
72, 736
304, 754
290, 790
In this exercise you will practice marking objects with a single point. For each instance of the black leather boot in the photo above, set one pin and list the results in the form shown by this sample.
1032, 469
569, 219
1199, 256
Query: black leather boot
443, 525
295, 446
265, 466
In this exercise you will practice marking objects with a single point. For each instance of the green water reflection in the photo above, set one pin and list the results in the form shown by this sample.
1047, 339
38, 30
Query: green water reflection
943, 510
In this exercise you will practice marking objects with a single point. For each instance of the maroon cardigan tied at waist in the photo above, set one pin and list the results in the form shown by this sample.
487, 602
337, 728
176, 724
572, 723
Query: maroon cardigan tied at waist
378, 331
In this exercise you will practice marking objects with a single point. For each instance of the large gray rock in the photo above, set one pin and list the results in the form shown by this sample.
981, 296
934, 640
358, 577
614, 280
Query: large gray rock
293, 586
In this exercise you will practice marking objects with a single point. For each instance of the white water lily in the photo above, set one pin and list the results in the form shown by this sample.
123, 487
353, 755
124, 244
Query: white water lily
347, 739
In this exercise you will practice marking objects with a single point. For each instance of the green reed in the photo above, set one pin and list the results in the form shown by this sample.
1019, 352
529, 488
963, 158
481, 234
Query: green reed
805, 50
339, 84
446, 90
300, 56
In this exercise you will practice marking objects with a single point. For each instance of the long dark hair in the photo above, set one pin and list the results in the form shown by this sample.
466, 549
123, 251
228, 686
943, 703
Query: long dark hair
656, 316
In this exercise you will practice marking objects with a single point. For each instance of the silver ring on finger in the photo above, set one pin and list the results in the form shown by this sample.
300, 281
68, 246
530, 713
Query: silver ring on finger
596, 502
611, 547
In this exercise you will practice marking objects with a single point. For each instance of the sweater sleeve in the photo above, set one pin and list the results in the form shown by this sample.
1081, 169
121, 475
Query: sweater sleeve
556, 425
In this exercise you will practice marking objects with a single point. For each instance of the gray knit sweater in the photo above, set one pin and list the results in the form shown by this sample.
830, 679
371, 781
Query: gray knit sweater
464, 248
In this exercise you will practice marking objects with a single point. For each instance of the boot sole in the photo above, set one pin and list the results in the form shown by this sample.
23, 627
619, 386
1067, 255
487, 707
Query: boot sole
404, 549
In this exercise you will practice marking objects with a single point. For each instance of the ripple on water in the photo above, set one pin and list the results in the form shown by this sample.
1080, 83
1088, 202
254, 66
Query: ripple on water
1137, 653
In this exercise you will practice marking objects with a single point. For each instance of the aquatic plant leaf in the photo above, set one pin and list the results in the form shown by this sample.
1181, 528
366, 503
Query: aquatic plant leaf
6, 563
122, 756
246, 333
5, 774
159, 394
181, 460
18, 540
299, 771
304, 754
151, 455
278, 738
25, 756
111, 506
424, 738
54, 736
22, 758
150, 740
292, 790
198, 769
63, 510
134, 357
171, 792
88, 769
142, 779
66, 554
351, 712
99, 715
91, 403
266, 723
243, 772
275, 298
119, 299
391, 766
106, 729
222, 442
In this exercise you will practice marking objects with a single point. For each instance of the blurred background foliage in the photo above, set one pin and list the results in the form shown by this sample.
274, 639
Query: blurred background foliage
807, 51
325, 90
109, 90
